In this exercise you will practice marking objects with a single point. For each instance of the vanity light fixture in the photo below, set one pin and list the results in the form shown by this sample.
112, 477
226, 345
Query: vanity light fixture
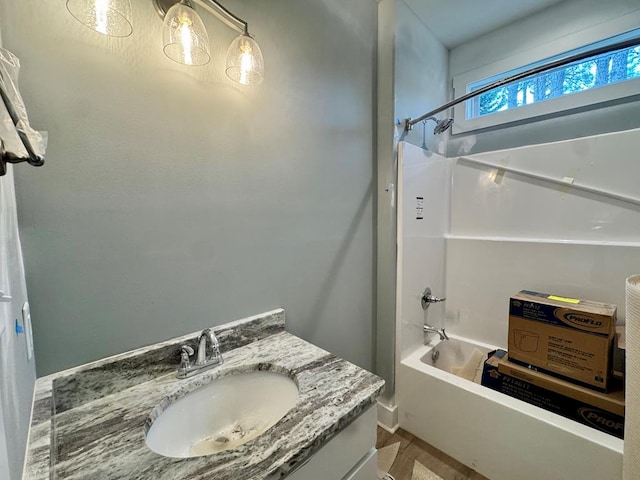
184, 37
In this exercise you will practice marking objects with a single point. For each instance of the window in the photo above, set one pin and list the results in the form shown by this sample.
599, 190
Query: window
593, 72
595, 79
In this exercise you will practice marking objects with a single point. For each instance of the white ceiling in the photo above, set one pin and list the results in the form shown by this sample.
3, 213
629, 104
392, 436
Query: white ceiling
455, 22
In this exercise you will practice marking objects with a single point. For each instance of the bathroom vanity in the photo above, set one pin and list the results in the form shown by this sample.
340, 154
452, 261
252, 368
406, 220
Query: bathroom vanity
92, 421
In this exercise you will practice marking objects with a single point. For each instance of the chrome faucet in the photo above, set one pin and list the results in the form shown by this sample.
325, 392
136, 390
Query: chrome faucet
207, 356
207, 337
441, 332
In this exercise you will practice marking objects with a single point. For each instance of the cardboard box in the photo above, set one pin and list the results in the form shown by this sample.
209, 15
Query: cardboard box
565, 337
602, 411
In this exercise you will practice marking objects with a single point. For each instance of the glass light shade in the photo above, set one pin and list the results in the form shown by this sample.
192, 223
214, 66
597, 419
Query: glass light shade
184, 37
245, 63
109, 17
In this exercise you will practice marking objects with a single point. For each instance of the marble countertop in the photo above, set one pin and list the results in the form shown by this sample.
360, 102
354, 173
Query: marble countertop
89, 422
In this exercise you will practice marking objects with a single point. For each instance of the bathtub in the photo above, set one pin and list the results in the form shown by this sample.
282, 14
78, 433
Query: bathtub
456, 354
500, 437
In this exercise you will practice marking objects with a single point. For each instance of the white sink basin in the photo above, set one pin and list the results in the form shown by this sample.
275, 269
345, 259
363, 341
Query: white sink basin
222, 414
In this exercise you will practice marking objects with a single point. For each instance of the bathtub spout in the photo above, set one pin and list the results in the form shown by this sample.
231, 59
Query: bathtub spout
441, 332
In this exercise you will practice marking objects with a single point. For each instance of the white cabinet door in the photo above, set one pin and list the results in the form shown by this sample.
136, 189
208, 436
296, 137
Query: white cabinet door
343, 453
367, 469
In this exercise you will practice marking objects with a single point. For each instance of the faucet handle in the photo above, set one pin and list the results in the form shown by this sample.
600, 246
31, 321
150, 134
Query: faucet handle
427, 299
185, 352
186, 349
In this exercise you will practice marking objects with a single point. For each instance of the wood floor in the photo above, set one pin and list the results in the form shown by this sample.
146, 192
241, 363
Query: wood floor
412, 448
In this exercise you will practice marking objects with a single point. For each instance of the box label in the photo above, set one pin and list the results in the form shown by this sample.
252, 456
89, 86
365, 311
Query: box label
567, 353
564, 299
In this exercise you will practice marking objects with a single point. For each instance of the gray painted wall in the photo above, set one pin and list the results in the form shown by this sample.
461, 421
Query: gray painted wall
172, 199
421, 72
17, 373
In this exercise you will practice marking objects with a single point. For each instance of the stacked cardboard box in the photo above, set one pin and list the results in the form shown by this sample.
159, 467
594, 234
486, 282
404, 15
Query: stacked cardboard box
560, 353
602, 411
565, 337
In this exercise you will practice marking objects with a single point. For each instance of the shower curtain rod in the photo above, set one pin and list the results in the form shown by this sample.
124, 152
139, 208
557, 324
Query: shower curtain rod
410, 122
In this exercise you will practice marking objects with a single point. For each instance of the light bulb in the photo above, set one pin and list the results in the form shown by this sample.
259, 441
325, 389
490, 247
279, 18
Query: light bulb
187, 39
245, 63
109, 17
102, 21
184, 36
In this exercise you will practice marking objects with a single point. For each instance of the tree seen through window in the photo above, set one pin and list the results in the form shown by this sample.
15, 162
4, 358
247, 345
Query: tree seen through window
598, 71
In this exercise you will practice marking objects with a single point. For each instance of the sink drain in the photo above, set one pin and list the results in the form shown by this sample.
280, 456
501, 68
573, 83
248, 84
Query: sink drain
229, 437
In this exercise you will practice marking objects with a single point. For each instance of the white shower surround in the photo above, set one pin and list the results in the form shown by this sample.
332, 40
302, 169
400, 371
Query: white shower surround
497, 235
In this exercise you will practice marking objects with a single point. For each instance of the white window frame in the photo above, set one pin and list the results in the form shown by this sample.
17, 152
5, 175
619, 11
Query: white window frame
574, 41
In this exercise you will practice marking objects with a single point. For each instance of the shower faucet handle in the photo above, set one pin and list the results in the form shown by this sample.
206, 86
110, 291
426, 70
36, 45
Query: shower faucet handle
427, 299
